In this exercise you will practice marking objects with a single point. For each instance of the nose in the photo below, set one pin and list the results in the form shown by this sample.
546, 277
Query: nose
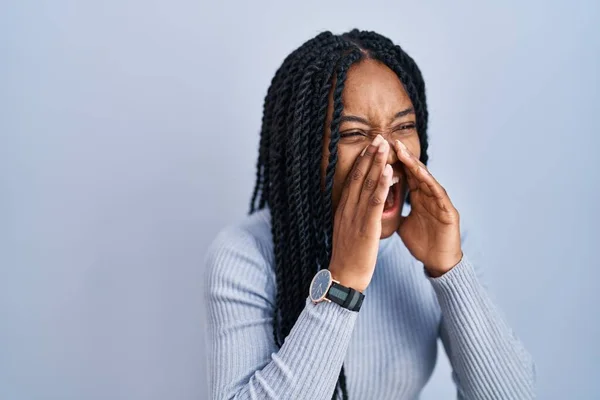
392, 156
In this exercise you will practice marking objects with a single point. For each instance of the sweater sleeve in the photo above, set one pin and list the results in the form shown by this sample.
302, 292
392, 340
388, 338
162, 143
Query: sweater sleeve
488, 360
244, 360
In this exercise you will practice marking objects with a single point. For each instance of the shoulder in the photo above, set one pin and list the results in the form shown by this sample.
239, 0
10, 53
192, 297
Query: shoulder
241, 255
252, 230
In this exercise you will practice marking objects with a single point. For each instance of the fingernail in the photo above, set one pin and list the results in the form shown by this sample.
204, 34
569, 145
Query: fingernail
377, 140
383, 146
403, 148
362, 153
424, 171
387, 171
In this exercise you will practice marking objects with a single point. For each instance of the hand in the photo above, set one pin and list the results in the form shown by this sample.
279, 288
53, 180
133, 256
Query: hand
431, 231
357, 220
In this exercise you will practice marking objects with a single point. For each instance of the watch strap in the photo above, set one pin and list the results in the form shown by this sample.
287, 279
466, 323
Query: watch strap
346, 297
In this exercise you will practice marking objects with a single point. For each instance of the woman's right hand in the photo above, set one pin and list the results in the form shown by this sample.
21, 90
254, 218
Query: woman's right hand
357, 220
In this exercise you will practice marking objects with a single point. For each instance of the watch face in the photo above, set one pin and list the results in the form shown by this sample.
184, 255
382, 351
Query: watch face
320, 284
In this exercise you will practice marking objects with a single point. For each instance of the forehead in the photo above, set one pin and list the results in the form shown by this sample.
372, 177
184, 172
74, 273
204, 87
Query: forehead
374, 91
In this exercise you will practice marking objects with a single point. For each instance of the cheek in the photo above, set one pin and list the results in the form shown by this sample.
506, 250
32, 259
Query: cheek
414, 145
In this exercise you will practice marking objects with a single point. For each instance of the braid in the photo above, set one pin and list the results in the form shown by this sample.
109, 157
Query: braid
288, 169
338, 107
287, 298
262, 167
318, 129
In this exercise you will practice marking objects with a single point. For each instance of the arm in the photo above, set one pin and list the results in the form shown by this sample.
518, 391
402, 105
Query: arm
487, 359
245, 363
241, 290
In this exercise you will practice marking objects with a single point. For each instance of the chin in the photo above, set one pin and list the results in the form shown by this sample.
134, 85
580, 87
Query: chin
386, 234
388, 227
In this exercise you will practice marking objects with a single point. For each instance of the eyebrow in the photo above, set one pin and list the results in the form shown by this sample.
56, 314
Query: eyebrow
404, 113
354, 118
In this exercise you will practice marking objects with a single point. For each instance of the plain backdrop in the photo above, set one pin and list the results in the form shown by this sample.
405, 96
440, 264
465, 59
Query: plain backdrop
128, 138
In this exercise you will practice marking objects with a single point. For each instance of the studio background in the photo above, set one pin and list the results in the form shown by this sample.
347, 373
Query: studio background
128, 138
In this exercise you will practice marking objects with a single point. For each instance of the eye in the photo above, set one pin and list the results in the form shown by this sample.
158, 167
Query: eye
355, 134
350, 134
405, 127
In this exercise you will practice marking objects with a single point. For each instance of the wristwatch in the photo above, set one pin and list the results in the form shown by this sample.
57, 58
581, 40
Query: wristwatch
324, 288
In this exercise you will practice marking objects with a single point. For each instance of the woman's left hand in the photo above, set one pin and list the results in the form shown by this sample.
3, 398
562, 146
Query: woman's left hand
431, 231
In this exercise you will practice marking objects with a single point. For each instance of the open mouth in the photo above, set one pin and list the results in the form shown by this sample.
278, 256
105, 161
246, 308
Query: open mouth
392, 202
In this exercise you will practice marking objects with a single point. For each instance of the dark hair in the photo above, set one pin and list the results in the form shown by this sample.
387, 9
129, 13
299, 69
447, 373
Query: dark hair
288, 178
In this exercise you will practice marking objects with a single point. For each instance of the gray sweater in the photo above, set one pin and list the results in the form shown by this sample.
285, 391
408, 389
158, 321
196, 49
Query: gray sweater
388, 348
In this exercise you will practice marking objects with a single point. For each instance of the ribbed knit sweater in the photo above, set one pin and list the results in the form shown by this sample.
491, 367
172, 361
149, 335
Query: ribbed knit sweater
388, 347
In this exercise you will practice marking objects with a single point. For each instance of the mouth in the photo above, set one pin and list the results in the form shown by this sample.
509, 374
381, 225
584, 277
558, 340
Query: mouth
392, 202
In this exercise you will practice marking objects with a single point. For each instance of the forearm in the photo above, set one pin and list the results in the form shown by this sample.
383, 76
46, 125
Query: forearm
307, 365
489, 361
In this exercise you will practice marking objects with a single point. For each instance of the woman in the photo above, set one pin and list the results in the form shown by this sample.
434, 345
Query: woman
333, 286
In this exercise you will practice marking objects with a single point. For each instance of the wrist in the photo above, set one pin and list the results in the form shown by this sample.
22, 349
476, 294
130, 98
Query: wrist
349, 280
444, 266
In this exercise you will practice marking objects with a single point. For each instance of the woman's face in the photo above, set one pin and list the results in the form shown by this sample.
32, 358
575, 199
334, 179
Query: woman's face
375, 102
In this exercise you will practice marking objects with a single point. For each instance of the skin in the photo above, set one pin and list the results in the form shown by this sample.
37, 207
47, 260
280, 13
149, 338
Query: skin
378, 128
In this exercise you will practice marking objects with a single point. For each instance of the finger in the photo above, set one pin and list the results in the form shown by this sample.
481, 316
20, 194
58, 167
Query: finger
345, 189
372, 179
419, 171
411, 163
436, 203
429, 182
378, 196
412, 182
357, 176
435, 206
349, 178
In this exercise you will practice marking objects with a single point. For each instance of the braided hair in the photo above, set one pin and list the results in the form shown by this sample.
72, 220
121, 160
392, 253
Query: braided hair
288, 174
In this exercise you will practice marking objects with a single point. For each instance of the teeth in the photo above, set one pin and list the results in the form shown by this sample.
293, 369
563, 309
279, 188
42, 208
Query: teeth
395, 180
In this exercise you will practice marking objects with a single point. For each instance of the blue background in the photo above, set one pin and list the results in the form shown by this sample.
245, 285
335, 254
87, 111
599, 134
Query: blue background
128, 138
